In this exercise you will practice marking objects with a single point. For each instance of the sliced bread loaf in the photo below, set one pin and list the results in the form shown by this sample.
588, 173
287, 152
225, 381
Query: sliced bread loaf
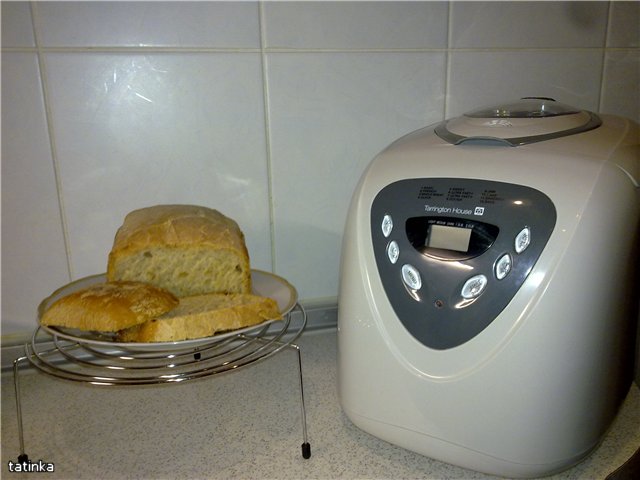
109, 307
202, 316
186, 249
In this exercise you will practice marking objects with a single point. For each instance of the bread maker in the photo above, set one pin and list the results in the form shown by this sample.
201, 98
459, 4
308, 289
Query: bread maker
488, 290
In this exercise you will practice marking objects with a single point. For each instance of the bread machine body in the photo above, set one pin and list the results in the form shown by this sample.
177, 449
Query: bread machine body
488, 294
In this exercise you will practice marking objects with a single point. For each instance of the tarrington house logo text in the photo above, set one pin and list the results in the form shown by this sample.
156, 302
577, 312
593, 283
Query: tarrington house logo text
455, 210
31, 467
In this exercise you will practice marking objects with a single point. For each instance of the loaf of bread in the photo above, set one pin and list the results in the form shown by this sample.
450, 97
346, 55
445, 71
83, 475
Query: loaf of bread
186, 249
202, 316
109, 307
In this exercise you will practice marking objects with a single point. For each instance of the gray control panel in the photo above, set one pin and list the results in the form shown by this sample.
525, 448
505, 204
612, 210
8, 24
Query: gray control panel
451, 253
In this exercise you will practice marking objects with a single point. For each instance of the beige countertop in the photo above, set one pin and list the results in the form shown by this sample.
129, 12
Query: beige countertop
244, 425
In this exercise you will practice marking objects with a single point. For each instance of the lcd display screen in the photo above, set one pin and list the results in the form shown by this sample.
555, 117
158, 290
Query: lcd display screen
449, 238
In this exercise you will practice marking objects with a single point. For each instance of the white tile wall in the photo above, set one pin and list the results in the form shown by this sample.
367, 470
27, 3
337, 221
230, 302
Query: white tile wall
355, 25
158, 128
34, 256
621, 83
528, 24
268, 111
625, 28
319, 149
17, 29
485, 77
148, 24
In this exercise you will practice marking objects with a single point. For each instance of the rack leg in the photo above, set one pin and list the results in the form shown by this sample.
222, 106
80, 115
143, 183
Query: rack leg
23, 457
306, 447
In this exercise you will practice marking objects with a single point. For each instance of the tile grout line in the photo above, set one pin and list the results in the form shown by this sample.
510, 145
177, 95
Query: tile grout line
265, 50
603, 57
447, 67
52, 142
267, 134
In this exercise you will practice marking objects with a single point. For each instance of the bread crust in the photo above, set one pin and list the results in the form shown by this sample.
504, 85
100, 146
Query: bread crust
176, 225
109, 306
202, 316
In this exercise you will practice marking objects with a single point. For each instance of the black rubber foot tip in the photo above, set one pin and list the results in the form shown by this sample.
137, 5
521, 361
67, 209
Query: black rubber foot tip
306, 450
23, 458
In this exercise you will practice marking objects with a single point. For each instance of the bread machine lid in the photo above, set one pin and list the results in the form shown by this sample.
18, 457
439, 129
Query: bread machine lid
528, 120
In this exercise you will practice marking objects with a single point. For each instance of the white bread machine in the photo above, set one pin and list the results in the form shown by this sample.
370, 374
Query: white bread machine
488, 291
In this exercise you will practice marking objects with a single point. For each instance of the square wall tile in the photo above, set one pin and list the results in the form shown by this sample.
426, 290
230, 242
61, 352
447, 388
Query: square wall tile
355, 25
480, 79
528, 24
148, 24
17, 30
624, 24
139, 130
34, 260
330, 114
620, 93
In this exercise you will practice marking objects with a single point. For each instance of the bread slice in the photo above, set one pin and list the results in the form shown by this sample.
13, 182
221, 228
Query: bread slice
186, 249
202, 316
109, 307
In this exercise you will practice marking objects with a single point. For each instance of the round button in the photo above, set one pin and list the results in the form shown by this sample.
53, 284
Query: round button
522, 240
503, 266
411, 277
393, 251
474, 286
387, 225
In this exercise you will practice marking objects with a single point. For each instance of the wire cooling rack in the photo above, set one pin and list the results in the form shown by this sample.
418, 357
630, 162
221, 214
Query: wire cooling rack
103, 364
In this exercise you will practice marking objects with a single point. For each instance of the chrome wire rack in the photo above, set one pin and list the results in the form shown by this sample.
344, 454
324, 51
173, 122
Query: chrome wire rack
118, 365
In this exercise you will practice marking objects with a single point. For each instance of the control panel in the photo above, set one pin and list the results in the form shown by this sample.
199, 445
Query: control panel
452, 253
